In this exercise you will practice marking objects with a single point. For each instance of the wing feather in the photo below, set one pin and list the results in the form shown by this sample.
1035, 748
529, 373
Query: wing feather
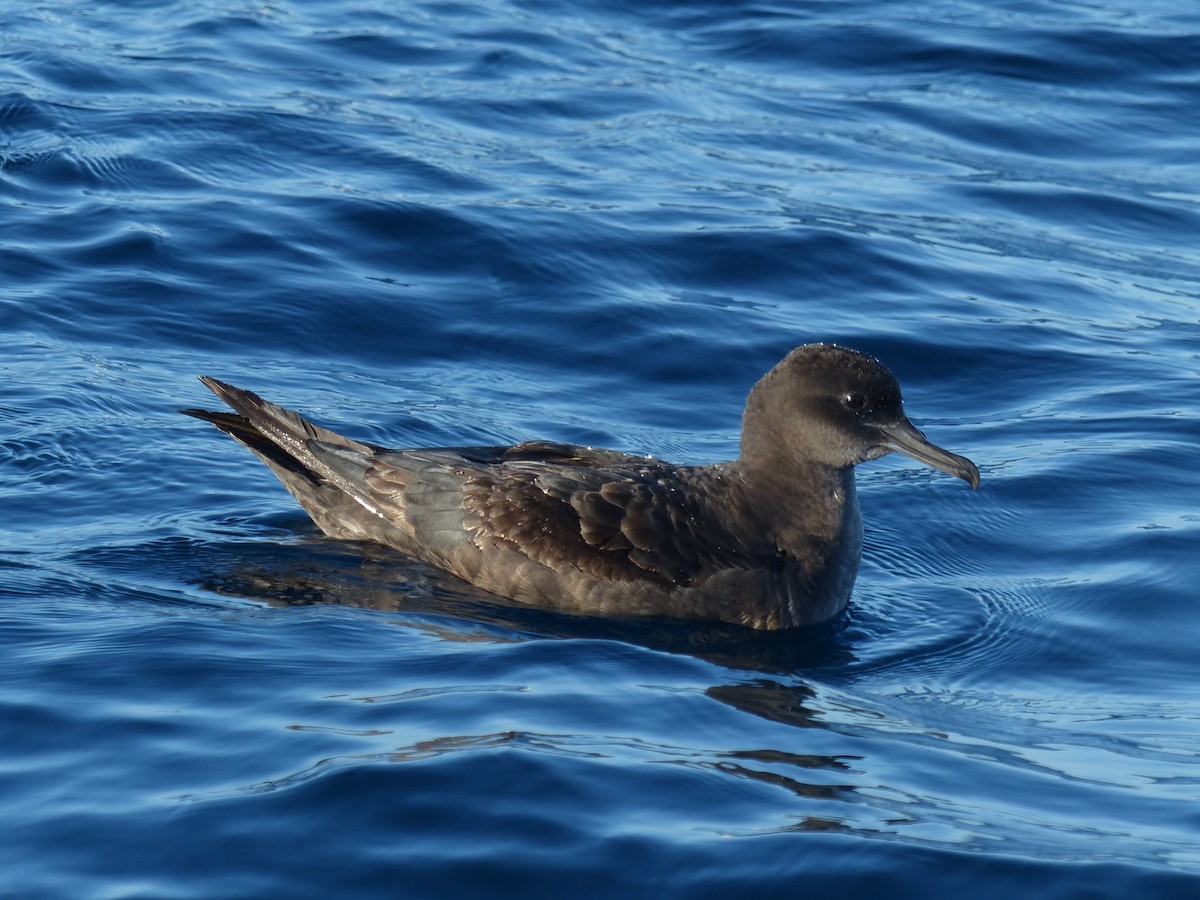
611, 516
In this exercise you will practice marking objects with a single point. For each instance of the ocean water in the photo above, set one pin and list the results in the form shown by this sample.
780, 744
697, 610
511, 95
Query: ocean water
479, 222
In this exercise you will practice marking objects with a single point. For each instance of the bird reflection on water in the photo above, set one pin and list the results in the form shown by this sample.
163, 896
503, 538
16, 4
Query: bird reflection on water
766, 669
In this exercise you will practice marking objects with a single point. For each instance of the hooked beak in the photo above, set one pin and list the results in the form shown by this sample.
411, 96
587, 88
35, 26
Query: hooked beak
903, 437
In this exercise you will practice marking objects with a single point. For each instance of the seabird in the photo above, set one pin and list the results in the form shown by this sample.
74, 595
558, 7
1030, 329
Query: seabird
770, 540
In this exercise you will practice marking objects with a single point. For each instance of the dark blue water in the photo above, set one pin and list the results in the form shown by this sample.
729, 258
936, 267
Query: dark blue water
438, 223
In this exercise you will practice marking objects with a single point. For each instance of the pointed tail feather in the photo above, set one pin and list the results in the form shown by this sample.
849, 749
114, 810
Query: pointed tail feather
286, 442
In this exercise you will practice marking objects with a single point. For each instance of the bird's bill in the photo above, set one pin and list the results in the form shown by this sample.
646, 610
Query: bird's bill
903, 437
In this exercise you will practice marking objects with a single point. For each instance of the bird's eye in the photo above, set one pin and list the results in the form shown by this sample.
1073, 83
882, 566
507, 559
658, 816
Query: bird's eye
854, 401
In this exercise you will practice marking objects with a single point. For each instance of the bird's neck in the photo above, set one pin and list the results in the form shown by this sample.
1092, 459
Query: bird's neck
803, 509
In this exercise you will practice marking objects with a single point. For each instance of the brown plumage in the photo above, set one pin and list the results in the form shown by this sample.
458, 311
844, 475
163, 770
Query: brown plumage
770, 540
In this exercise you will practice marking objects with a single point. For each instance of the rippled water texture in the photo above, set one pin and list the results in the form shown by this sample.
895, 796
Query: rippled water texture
433, 223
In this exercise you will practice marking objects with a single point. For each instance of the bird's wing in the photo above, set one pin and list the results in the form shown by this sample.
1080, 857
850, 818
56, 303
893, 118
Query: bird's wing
606, 514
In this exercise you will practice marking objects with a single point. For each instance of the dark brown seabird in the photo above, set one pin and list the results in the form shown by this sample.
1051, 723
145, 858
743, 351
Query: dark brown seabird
770, 540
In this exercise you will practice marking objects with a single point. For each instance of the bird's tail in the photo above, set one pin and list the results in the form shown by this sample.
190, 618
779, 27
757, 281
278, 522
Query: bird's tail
296, 450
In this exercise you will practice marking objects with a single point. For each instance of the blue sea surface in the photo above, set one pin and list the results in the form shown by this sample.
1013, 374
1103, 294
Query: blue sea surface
437, 223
